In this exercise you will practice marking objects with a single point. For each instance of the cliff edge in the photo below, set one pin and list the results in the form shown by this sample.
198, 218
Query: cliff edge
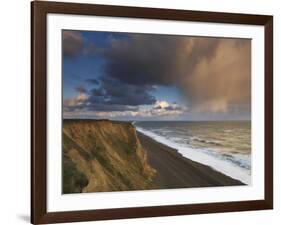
103, 155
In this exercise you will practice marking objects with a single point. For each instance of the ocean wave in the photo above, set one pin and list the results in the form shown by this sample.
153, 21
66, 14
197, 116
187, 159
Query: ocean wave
206, 141
236, 166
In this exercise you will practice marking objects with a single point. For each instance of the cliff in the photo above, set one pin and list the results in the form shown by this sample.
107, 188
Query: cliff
103, 155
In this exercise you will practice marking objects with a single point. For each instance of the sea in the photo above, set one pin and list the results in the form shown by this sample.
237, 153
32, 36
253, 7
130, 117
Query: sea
225, 146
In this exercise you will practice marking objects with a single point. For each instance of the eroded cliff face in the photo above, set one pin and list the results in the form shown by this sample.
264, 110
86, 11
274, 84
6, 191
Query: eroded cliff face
102, 155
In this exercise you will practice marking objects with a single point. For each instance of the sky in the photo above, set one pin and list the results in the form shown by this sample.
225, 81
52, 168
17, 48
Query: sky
134, 76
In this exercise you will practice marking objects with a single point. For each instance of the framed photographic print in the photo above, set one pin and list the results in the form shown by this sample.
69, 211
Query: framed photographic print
142, 112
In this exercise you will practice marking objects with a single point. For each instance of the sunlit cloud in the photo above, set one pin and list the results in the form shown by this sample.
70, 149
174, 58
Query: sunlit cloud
212, 75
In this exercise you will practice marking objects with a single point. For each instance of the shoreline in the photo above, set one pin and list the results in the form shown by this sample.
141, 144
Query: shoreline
176, 171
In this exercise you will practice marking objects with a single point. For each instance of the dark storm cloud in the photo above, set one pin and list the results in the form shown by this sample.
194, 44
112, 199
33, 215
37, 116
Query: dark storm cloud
98, 92
213, 73
156, 59
114, 92
93, 81
111, 95
72, 43
81, 89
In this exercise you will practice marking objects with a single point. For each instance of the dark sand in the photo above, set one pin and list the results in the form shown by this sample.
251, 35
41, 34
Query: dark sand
176, 171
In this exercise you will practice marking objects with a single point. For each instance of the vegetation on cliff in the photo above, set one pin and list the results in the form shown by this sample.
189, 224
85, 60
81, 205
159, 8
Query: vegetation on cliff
103, 155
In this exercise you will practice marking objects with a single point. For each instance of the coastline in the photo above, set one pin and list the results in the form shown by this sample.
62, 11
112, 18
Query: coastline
176, 171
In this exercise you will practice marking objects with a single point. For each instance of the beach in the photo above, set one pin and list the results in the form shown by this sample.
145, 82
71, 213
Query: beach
176, 171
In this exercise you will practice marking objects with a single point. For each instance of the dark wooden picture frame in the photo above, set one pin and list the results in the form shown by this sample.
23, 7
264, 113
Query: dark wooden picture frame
40, 9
